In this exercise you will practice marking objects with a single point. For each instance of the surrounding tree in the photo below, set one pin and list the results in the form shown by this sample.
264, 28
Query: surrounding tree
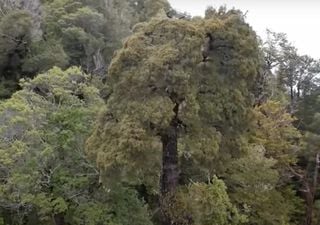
14, 43
36, 36
45, 175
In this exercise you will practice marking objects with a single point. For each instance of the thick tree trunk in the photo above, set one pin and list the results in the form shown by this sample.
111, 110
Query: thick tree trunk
59, 219
7, 216
170, 168
170, 172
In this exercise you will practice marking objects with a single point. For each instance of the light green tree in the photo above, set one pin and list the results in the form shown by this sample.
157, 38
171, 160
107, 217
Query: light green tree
45, 175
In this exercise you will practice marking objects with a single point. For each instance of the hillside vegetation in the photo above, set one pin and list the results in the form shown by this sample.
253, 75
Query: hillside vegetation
117, 112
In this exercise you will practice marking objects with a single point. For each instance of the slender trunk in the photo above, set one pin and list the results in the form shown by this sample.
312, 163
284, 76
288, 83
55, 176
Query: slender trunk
291, 99
291, 93
310, 196
298, 90
318, 219
316, 173
309, 209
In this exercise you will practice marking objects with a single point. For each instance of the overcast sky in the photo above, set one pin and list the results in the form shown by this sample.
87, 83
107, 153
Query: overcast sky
300, 19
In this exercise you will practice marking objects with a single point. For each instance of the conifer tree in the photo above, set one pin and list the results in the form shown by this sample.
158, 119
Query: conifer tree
171, 102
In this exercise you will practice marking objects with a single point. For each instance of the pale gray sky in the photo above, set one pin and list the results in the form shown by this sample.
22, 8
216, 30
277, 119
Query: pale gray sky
300, 19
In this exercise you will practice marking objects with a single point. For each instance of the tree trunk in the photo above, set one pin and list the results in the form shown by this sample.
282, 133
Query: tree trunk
7, 216
309, 209
310, 196
318, 219
170, 172
59, 219
170, 168
291, 99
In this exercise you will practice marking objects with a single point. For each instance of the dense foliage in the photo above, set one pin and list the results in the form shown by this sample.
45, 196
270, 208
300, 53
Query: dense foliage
118, 112
36, 36
48, 179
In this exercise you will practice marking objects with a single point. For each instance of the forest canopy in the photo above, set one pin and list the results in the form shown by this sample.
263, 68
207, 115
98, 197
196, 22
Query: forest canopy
117, 112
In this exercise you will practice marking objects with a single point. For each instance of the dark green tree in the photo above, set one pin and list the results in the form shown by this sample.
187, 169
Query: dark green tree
15, 39
307, 169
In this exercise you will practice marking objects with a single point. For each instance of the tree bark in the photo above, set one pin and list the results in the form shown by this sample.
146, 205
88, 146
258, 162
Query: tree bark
309, 209
310, 196
170, 172
291, 99
59, 219
170, 167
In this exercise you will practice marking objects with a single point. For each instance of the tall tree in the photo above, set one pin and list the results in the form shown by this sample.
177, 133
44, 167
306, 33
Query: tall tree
289, 72
169, 102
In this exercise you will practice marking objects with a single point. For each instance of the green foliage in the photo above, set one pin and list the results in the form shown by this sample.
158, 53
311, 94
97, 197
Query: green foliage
15, 38
210, 202
254, 187
307, 111
258, 181
274, 130
186, 101
308, 168
157, 68
158, 77
44, 55
42, 128
42, 134
204, 204
90, 31
295, 76
128, 208
65, 33
80, 28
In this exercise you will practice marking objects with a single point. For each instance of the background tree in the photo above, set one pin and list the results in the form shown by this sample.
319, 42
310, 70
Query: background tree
45, 175
37, 36
14, 44
289, 72
296, 79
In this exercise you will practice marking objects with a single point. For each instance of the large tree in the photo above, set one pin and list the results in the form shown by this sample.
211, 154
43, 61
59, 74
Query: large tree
172, 104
